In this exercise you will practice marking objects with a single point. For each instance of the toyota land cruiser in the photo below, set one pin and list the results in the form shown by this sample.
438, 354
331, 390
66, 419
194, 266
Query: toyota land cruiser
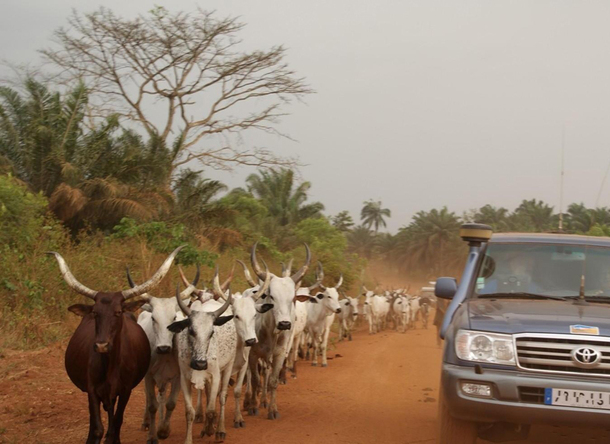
527, 336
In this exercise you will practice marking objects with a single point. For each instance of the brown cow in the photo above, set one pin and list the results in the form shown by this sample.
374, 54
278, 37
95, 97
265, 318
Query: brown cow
108, 354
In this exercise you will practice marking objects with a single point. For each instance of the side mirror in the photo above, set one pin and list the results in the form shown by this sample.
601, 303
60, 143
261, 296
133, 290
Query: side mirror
445, 288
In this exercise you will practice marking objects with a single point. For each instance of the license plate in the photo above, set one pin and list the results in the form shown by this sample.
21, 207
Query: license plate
577, 398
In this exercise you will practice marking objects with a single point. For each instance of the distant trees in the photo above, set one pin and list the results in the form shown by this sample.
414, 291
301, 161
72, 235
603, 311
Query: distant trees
343, 221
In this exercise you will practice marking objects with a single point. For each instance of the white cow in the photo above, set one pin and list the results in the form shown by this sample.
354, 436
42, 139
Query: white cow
321, 316
157, 315
414, 302
402, 313
274, 331
206, 351
347, 317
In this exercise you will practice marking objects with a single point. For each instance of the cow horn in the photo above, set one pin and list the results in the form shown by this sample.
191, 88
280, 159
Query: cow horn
183, 308
255, 266
319, 279
298, 276
340, 281
251, 281
286, 272
132, 284
192, 287
225, 285
224, 307
216, 288
70, 279
320, 276
262, 290
153, 281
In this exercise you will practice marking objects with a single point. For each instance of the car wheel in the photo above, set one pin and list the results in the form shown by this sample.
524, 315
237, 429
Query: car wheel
452, 430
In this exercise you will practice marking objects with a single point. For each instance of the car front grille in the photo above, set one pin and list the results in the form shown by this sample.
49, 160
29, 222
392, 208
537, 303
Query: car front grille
531, 395
553, 353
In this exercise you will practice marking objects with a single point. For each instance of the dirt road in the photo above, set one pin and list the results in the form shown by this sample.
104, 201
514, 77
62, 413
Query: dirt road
380, 388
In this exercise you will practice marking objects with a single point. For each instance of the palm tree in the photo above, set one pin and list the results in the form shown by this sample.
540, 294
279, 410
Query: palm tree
538, 215
343, 221
362, 241
497, 218
285, 200
428, 237
373, 215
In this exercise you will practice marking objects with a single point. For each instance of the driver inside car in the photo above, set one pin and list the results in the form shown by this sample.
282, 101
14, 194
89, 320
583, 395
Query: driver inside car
516, 276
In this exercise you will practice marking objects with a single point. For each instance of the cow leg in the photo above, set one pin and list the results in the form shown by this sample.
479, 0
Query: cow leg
316, 349
150, 416
265, 378
221, 432
188, 408
210, 412
96, 428
117, 422
250, 403
341, 332
170, 405
273, 380
324, 347
161, 399
283, 374
238, 420
199, 411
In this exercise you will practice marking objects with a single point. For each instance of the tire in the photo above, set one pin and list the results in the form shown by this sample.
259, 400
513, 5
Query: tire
452, 430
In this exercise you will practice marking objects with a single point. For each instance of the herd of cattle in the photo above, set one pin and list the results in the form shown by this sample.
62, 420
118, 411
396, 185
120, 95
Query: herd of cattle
189, 342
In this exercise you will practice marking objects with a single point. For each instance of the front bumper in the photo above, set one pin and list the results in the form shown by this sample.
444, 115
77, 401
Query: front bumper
514, 397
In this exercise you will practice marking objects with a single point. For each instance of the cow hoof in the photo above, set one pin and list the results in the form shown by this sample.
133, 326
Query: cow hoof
163, 433
253, 412
220, 436
314, 364
324, 365
264, 404
350, 338
152, 441
273, 415
239, 424
199, 418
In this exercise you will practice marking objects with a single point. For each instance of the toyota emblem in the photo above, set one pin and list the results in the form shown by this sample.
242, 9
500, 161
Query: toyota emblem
586, 356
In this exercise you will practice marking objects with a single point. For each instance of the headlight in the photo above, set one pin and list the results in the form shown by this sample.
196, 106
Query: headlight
479, 346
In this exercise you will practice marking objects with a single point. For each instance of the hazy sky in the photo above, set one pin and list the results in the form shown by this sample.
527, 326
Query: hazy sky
419, 104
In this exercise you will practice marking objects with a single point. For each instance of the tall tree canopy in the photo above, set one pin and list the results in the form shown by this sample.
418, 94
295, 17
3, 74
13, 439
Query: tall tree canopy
191, 66
372, 215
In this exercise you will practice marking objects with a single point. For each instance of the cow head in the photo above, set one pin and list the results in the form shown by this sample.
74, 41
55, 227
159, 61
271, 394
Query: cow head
108, 307
329, 296
245, 308
163, 313
282, 290
352, 303
200, 325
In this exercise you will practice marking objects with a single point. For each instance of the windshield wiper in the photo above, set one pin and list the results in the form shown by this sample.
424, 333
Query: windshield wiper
595, 298
520, 295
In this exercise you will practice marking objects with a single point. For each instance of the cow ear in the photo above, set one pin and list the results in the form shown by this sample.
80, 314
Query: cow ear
222, 320
264, 308
133, 305
178, 326
81, 309
302, 297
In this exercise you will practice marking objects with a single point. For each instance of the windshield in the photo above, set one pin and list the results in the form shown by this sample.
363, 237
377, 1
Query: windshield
544, 270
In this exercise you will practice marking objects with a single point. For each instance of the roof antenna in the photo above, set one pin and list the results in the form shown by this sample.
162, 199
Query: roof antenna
563, 149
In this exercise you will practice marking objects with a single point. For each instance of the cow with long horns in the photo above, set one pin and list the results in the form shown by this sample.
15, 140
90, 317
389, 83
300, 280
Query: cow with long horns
206, 352
164, 371
321, 316
274, 332
109, 353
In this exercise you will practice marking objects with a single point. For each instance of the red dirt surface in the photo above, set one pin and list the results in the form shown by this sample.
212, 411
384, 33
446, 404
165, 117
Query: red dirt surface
382, 388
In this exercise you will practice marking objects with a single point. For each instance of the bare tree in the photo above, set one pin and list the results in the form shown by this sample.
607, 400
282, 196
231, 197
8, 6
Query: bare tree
188, 65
